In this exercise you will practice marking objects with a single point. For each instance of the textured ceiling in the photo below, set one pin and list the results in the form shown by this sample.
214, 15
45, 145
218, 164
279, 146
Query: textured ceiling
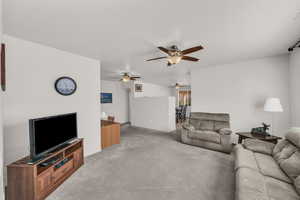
125, 32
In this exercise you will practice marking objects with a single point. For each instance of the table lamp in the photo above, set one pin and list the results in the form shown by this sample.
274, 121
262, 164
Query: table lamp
273, 105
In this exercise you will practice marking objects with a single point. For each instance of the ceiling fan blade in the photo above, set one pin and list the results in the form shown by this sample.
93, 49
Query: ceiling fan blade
164, 50
135, 77
191, 50
157, 58
189, 58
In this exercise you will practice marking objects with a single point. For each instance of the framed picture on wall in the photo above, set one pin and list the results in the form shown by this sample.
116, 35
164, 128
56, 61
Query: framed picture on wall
138, 87
106, 97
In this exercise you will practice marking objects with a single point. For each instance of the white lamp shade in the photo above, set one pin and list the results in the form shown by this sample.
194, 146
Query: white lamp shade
273, 105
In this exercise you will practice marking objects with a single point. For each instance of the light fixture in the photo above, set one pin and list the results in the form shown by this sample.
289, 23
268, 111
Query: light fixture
177, 86
273, 105
126, 78
174, 59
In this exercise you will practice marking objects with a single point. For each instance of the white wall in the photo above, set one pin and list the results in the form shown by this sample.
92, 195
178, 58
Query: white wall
1, 121
137, 113
241, 89
154, 113
31, 72
153, 90
120, 106
295, 86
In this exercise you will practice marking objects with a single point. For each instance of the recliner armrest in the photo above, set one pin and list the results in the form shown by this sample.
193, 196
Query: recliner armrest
188, 127
225, 131
259, 146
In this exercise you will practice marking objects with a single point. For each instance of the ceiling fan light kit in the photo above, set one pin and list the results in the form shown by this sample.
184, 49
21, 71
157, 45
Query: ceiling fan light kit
174, 59
126, 77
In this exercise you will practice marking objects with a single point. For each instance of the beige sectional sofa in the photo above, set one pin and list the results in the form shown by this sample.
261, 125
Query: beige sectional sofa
265, 171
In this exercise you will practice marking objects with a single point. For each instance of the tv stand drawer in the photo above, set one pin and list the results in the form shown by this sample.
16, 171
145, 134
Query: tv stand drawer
60, 172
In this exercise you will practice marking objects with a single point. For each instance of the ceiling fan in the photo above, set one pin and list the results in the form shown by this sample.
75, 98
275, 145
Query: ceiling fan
177, 86
175, 55
127, 76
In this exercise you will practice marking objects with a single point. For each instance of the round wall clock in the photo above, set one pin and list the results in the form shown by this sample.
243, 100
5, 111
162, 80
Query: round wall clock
65, 86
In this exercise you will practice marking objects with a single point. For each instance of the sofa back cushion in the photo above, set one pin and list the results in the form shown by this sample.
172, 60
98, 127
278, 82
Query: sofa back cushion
291, 165
194, 123
283, 150
209, 121
293, 136
287, 154
297, 184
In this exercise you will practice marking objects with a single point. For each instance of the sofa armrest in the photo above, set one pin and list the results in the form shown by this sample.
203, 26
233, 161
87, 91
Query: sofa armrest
188, 126
224, 131
259, 146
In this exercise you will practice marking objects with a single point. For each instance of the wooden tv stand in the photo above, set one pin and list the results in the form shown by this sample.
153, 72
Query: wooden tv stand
34, 181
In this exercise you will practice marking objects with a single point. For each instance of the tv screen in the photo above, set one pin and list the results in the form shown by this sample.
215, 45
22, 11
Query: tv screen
106, 97
49, 133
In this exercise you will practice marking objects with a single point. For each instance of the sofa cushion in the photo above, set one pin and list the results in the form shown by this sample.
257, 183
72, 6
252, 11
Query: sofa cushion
220, 124
259, 146
202, 124
194, 122
279, 146
250, 185
205, 125
188, 126
209, 136
283, 150
268, 167
291, 165
293, 135
297, 184
244, 158
279, 190
211, 116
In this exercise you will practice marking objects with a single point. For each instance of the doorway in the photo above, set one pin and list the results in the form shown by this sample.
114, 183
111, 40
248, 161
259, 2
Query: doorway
183, 104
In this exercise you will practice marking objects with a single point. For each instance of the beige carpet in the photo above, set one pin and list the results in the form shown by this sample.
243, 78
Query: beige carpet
151, 165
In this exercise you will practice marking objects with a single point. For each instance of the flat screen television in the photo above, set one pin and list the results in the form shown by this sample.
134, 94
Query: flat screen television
106, 97
48, 133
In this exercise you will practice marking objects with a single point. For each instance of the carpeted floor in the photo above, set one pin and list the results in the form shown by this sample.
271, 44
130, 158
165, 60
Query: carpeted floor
151, 165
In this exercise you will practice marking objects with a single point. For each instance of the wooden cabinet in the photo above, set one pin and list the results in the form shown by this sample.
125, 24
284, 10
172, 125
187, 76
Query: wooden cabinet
35, 181
44, 181
106, 136
62, 171
110, 133
115, 134
78, 155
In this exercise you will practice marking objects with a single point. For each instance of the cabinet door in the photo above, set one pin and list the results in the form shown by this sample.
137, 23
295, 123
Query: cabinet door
78, 158
115, 134
44, 181
105, 136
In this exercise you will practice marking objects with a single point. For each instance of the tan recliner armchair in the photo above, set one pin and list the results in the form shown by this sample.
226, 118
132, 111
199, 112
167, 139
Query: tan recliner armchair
208, 130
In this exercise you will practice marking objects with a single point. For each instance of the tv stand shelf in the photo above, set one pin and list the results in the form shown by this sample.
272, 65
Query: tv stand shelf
36, 181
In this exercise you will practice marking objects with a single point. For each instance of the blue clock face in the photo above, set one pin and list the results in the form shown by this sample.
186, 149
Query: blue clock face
65, 86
